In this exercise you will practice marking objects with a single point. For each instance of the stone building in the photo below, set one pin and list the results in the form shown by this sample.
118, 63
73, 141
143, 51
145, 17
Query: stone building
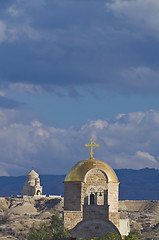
91, 199
32, 185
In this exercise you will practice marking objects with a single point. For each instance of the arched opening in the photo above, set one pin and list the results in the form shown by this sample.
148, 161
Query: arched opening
91, 199
38, 192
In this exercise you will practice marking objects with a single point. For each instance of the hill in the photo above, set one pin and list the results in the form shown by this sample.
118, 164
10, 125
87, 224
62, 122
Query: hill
140, 184
17, 215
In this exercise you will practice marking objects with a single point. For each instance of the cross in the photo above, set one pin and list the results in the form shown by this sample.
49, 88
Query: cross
92, 145
96, 164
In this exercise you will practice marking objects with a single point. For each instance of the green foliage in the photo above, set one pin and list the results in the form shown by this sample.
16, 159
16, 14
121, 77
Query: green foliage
51, 230
134, 235
112, 236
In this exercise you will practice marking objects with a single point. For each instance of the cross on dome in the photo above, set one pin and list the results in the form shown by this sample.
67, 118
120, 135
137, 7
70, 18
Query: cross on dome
96, 164
92, 145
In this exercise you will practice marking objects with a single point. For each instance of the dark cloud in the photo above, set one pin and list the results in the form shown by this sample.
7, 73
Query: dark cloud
78, 43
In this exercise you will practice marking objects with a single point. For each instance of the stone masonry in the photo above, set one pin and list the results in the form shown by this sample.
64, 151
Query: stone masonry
77, 202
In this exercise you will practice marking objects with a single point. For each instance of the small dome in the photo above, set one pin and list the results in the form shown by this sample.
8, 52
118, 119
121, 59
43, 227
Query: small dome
78, 172
32, 173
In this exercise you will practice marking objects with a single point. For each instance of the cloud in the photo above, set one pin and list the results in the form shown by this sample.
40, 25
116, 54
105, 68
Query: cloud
13, 11
48, 46
7, 33
9, 103
2, 31
2, 93
127, 141
141, 79
20, 87
142, 14
146, 155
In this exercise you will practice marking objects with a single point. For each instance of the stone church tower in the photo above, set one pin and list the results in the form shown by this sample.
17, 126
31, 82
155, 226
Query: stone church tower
32, 185
91, 198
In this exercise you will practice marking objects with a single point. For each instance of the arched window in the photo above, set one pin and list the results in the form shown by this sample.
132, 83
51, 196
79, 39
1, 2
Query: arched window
38, 192
91, 198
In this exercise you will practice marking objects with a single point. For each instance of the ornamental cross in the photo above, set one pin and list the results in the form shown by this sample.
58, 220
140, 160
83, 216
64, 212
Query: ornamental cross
96, 164
92, 145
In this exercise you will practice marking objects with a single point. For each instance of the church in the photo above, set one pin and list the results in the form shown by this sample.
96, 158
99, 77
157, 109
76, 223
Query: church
91, 191
32, 185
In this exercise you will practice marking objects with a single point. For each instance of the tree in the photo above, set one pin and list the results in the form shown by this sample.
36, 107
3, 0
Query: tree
112, 236
134, 235
49, 230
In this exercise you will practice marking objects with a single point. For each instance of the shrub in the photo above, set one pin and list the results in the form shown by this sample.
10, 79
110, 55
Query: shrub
51, 230
112, 236
5, 218
134, 235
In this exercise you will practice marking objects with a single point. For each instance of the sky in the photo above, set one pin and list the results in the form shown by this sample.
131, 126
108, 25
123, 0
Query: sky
71, 70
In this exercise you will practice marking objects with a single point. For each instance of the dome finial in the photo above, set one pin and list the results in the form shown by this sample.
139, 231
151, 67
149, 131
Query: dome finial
92, 145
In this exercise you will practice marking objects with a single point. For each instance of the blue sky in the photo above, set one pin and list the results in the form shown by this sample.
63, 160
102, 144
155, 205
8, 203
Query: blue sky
68, 64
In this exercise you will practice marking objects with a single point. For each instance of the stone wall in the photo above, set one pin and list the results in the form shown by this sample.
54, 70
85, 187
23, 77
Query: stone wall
114, 218
71, 218
94, 228
72, 193
95, 182
28, 190
95, 212
113, 196
77, 199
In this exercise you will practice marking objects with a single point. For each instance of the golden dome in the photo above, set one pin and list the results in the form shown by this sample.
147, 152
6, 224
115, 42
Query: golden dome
78, 172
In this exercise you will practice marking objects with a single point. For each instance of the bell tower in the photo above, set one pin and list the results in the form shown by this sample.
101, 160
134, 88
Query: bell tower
91, 198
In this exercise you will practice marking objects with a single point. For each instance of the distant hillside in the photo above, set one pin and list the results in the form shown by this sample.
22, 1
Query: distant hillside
140, 184
134, 184
11, 186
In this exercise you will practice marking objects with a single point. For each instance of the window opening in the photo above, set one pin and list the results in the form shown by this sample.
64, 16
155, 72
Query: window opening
91, 199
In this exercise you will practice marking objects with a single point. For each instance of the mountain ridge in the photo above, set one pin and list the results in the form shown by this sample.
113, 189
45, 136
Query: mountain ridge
142, 184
